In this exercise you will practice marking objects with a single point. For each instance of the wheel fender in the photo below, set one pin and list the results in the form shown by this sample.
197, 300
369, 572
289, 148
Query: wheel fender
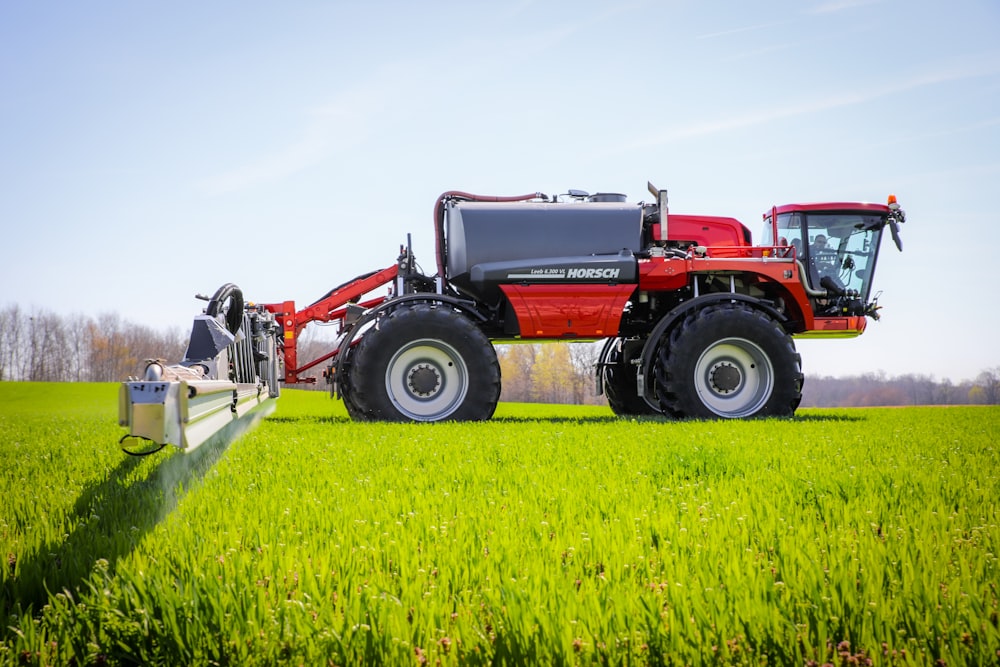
667, 322
465, 306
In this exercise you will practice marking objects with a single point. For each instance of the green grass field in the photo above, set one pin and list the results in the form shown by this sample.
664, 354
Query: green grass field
550, 535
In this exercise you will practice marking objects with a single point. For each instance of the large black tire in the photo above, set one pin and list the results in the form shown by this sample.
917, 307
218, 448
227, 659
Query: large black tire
731, 361
354, 411
424, 362
619, 379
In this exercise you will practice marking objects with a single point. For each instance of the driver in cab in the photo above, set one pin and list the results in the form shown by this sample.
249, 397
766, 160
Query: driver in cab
824, 266
819, 244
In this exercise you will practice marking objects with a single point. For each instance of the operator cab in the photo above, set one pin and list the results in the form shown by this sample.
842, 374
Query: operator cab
836, 246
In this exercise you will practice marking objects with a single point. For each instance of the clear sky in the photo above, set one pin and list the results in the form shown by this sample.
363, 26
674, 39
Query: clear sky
151, 151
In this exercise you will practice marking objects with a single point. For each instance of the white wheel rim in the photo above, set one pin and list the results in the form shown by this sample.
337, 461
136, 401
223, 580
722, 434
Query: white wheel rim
427, 380
734, 377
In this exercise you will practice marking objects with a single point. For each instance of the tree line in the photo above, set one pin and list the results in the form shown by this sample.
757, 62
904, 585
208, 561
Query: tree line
877, 389
42, 346
563, 373
549, 373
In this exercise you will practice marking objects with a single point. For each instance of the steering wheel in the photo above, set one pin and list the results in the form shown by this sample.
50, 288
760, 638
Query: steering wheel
825, 259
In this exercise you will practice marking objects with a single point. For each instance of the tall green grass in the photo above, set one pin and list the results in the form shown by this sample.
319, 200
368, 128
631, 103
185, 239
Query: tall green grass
550, 535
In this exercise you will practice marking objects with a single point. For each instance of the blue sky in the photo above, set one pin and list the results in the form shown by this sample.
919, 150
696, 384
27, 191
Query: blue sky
150, 151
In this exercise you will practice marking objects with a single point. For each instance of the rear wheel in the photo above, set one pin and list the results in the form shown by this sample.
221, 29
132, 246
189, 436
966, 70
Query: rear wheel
619, 379
729, 360
424, 362
347, 395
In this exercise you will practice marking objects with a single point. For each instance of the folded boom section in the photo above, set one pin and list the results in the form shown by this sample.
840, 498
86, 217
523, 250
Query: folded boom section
230, 369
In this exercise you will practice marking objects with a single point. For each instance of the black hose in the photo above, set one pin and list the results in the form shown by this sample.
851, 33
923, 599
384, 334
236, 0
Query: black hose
146, 453
234, 312
342, 286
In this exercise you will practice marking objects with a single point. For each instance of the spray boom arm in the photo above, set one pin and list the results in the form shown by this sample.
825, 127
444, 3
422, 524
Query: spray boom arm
234, 362
229, 370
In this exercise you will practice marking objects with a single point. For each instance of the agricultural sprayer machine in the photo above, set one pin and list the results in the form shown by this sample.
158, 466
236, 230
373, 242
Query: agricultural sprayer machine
699, 322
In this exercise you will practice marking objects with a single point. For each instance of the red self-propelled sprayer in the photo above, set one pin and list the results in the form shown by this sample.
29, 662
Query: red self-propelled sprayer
698, 321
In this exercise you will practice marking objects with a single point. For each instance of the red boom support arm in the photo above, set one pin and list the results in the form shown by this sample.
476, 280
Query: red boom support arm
331, 308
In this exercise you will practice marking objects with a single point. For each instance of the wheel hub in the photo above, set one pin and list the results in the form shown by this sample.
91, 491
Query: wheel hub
427, 379
423, 380
734, 377
726, 378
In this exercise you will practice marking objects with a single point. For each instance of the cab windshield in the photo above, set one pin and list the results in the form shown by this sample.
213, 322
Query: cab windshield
841, 247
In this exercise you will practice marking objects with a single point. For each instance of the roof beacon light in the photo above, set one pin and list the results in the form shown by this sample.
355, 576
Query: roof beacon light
893, 204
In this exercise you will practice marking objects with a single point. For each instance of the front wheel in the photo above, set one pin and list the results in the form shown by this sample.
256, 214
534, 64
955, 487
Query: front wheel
729, 360
424, 362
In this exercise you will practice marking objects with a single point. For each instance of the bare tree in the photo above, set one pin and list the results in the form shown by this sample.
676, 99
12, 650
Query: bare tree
48, 354
10, 332
988, 383
516, 365
76, 344
919, 388
108, 355
584, 356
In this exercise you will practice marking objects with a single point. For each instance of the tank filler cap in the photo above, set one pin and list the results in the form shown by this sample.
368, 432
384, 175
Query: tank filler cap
615, 197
